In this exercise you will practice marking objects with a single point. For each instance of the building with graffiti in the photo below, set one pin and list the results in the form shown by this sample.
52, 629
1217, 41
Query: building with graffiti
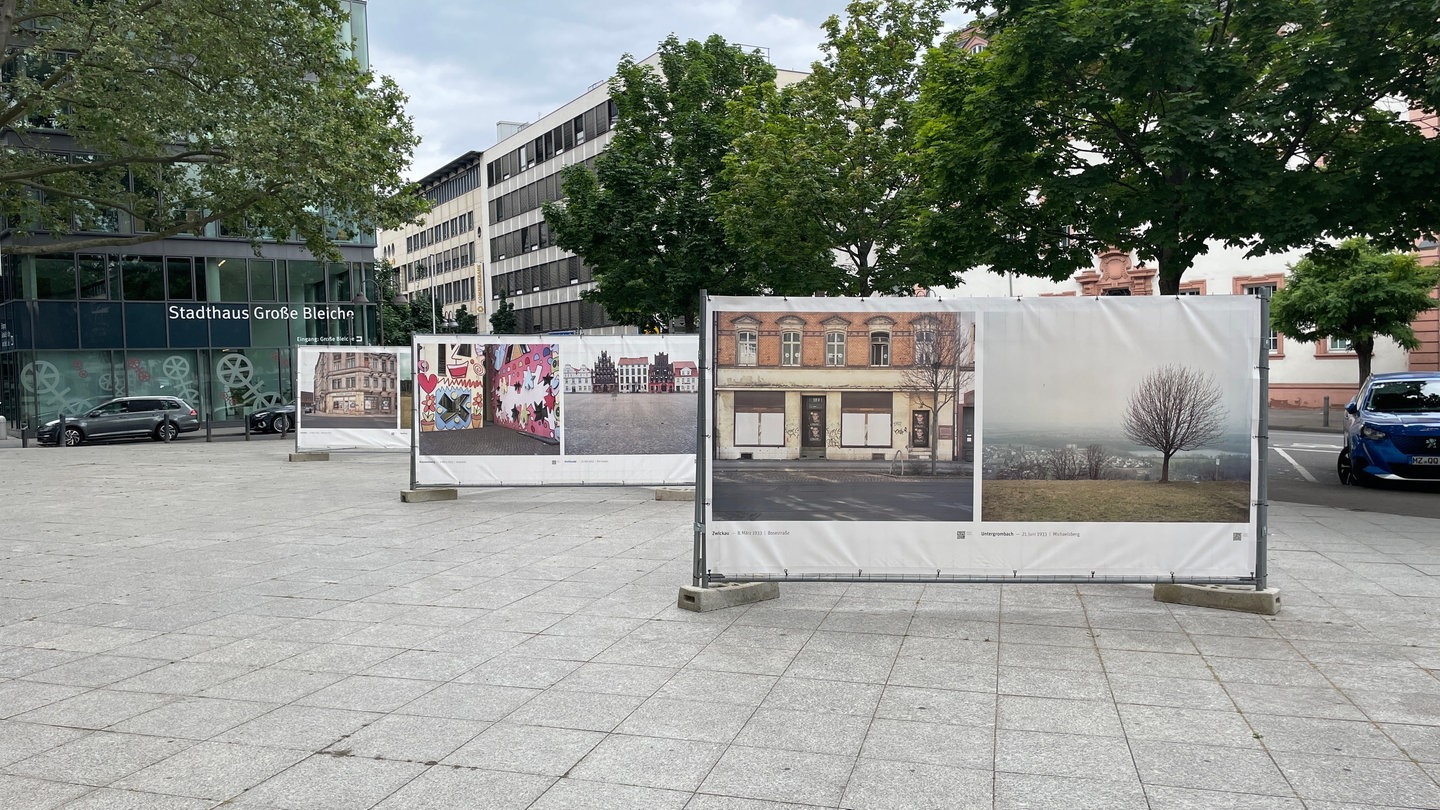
844, 385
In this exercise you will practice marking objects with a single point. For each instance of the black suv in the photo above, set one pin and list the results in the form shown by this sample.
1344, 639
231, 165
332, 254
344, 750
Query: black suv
160, 418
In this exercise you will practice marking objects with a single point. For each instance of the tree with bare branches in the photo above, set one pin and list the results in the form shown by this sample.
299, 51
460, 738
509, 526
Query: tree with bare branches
942, 370
1065, 463
1175, 409
1096, 461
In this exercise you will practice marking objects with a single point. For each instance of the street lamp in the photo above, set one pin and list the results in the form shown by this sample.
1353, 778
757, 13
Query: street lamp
361, 300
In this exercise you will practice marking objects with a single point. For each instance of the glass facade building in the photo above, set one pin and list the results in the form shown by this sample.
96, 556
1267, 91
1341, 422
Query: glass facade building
218, 331
199, 317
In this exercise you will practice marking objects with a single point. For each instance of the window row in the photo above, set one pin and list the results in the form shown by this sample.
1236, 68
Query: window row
147, 195
530, 197
547, 276
837, 348
564, 317
375, 383
456, 258
522, 241
461, 291
568, 135
65, 277
450, 228
865, 419
456, 186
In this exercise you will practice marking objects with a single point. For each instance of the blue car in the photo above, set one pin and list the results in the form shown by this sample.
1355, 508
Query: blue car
1392, 429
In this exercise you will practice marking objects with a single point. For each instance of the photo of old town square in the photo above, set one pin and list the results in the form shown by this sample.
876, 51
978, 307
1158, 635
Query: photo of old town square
842, 415
631, 395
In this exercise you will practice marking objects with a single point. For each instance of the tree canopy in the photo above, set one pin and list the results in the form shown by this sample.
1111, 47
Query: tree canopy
131, 121
1354, 292
645, 220
819, 188
1160, 125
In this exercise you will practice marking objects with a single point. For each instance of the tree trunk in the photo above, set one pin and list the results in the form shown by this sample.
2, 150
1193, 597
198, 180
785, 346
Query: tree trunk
1165, 469
1364, 354
934, 429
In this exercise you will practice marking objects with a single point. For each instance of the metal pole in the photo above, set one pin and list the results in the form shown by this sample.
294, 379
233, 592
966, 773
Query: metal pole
414, 410
1325, 418
32, 308
700, 577
1262, 493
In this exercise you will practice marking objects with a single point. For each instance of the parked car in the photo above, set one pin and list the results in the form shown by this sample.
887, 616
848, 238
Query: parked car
276, 419
1392, 429
160, 418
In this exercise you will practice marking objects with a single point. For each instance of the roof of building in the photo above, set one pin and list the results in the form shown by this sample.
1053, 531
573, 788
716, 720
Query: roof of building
455, 166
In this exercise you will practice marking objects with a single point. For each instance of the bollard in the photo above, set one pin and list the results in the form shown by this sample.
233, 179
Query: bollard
1325, 420
60, 432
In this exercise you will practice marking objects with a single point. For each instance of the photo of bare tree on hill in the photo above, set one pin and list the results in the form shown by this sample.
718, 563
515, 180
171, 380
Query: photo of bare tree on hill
1173, 410
1096, 420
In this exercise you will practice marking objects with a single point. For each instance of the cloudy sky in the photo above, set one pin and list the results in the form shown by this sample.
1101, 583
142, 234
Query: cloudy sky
467, 65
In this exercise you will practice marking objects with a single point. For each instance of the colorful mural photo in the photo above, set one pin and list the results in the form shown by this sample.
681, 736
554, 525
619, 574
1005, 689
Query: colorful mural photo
451, 379
525, 388
488, 398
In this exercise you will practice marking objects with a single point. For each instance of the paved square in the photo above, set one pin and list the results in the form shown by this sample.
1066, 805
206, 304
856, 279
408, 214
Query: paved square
200, 625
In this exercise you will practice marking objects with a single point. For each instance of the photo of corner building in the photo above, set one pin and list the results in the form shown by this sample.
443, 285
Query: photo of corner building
200, 317
843, 415
356, 384
852, 386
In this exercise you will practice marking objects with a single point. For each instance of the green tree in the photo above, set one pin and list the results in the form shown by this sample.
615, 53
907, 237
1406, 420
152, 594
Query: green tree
1354, 292
820, 191
502, 320
127, 122
466, 322
645, 220
404, 317
1162, 125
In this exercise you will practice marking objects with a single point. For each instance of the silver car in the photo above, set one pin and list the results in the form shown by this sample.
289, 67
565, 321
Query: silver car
159, 418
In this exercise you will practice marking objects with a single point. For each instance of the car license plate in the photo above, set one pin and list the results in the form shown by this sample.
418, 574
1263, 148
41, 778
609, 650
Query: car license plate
1426, 461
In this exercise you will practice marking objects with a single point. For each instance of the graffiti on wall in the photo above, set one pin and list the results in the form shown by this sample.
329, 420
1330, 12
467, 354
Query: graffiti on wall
526, 388
451, 377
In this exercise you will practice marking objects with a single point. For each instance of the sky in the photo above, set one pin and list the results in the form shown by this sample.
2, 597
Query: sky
467, 65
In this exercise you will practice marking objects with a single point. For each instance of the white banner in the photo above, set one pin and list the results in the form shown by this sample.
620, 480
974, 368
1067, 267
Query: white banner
1075, 437
353, 398
562, 409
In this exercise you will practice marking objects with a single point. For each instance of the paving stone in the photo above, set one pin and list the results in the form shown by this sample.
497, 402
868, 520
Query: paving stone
885, 785
580, 794
1028, 791
776, 775
97, 759
210, 770
440, 787
648, 762
325, 782
804, 731
540, 750
409, 738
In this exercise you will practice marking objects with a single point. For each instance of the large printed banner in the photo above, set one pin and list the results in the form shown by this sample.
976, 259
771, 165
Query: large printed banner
563, 409
1029, 438
353, 399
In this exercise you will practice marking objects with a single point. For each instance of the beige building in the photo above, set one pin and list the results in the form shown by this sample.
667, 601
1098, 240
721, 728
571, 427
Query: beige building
356, 383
